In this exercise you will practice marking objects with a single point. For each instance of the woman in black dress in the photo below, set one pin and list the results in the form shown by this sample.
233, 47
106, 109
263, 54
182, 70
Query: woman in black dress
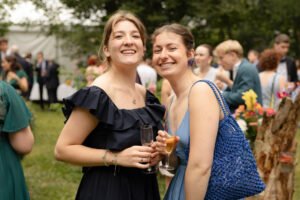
102, 131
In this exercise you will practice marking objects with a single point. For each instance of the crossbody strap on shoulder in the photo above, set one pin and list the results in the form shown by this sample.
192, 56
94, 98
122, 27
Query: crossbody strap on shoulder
218, 95
221, 102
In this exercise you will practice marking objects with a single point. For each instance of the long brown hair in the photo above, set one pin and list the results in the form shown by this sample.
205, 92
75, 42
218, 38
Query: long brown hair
14, 65
186, 36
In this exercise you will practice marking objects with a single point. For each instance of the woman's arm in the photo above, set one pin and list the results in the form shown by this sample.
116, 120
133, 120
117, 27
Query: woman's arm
69, 146
22, 140
23, 84
204, 119
21, 81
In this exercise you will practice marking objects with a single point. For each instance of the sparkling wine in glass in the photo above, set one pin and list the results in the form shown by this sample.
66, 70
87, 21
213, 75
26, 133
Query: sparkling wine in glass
146, 140
170, 142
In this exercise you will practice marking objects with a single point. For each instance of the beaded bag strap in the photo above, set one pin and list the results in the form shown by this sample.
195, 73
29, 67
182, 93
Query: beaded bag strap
221, 102
218, 95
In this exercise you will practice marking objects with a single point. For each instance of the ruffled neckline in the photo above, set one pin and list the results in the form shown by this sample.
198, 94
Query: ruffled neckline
148, 96
97, 101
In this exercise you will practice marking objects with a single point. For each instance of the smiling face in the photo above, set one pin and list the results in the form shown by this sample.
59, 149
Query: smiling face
125, 46
170, 56
202, 57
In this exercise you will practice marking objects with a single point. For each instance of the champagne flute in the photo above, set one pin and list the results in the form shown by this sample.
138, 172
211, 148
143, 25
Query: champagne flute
170, 142
146, 140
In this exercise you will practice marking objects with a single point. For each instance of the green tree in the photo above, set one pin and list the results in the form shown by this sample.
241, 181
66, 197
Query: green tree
253, 22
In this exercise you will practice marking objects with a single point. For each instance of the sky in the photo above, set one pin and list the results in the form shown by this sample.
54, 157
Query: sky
27, 11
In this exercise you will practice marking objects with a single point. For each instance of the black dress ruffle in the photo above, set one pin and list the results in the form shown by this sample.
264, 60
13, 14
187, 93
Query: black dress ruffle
117, 130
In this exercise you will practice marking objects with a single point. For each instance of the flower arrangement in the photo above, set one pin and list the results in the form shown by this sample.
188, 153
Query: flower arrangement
291, 90
250, 115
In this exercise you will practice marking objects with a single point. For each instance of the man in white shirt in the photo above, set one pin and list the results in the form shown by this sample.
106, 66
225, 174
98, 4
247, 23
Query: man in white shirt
148, 75
287, 65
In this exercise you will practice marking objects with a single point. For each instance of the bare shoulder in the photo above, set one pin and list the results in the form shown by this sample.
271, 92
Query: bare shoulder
101, 82
201, 89
203, 98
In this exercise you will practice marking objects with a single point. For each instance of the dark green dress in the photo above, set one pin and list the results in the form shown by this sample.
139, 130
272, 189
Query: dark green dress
14, 116
21, 74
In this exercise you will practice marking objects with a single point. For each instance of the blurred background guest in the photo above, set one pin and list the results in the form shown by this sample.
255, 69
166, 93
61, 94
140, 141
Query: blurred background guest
27, 67
203, 60
253, 57
271, 81
52, 81
287, 65
148, 75
93, 70
3, 50
41, 69
244, 75
14, 74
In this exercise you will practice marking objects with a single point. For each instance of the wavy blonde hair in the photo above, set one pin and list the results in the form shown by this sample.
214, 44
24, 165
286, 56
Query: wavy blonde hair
229, 46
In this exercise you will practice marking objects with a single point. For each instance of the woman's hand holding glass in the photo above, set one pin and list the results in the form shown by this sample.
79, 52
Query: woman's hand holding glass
135, 156
165, 144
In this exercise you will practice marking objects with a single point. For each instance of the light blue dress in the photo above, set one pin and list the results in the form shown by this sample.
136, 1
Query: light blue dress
176, 187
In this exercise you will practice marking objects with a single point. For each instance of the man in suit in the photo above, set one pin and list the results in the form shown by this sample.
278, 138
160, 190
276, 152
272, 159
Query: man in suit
52, 81
41, 69
245, 76
287, 66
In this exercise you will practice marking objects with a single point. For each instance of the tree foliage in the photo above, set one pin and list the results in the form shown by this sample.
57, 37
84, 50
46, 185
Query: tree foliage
252, 22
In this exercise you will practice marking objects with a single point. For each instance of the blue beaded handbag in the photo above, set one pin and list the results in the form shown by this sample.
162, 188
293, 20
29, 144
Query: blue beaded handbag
234, 173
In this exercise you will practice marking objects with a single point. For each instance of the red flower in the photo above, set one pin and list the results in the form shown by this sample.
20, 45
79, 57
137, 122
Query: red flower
270, 112
282, 94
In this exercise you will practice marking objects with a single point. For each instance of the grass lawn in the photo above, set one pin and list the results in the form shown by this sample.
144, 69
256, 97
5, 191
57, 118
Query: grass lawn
49, 179
46, 177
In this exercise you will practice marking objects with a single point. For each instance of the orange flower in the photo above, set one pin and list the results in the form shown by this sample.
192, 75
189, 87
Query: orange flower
259, 109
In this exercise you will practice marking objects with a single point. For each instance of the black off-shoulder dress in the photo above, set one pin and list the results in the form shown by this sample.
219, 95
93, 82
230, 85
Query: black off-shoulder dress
117, 130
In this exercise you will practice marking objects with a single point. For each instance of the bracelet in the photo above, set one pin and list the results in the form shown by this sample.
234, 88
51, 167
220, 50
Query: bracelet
104, 158
115, 162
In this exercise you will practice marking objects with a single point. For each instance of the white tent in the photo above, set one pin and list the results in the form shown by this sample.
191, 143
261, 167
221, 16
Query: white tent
32, 39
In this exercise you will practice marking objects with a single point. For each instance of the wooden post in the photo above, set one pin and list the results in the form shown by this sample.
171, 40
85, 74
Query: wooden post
275, 151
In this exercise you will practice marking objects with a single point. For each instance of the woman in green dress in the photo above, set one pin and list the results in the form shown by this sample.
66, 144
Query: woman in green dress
14, 74
16, 139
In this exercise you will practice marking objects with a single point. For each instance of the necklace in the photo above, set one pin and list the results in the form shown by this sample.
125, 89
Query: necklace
134, 101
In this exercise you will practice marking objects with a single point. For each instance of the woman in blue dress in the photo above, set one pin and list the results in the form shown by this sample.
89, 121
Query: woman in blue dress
193, 113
